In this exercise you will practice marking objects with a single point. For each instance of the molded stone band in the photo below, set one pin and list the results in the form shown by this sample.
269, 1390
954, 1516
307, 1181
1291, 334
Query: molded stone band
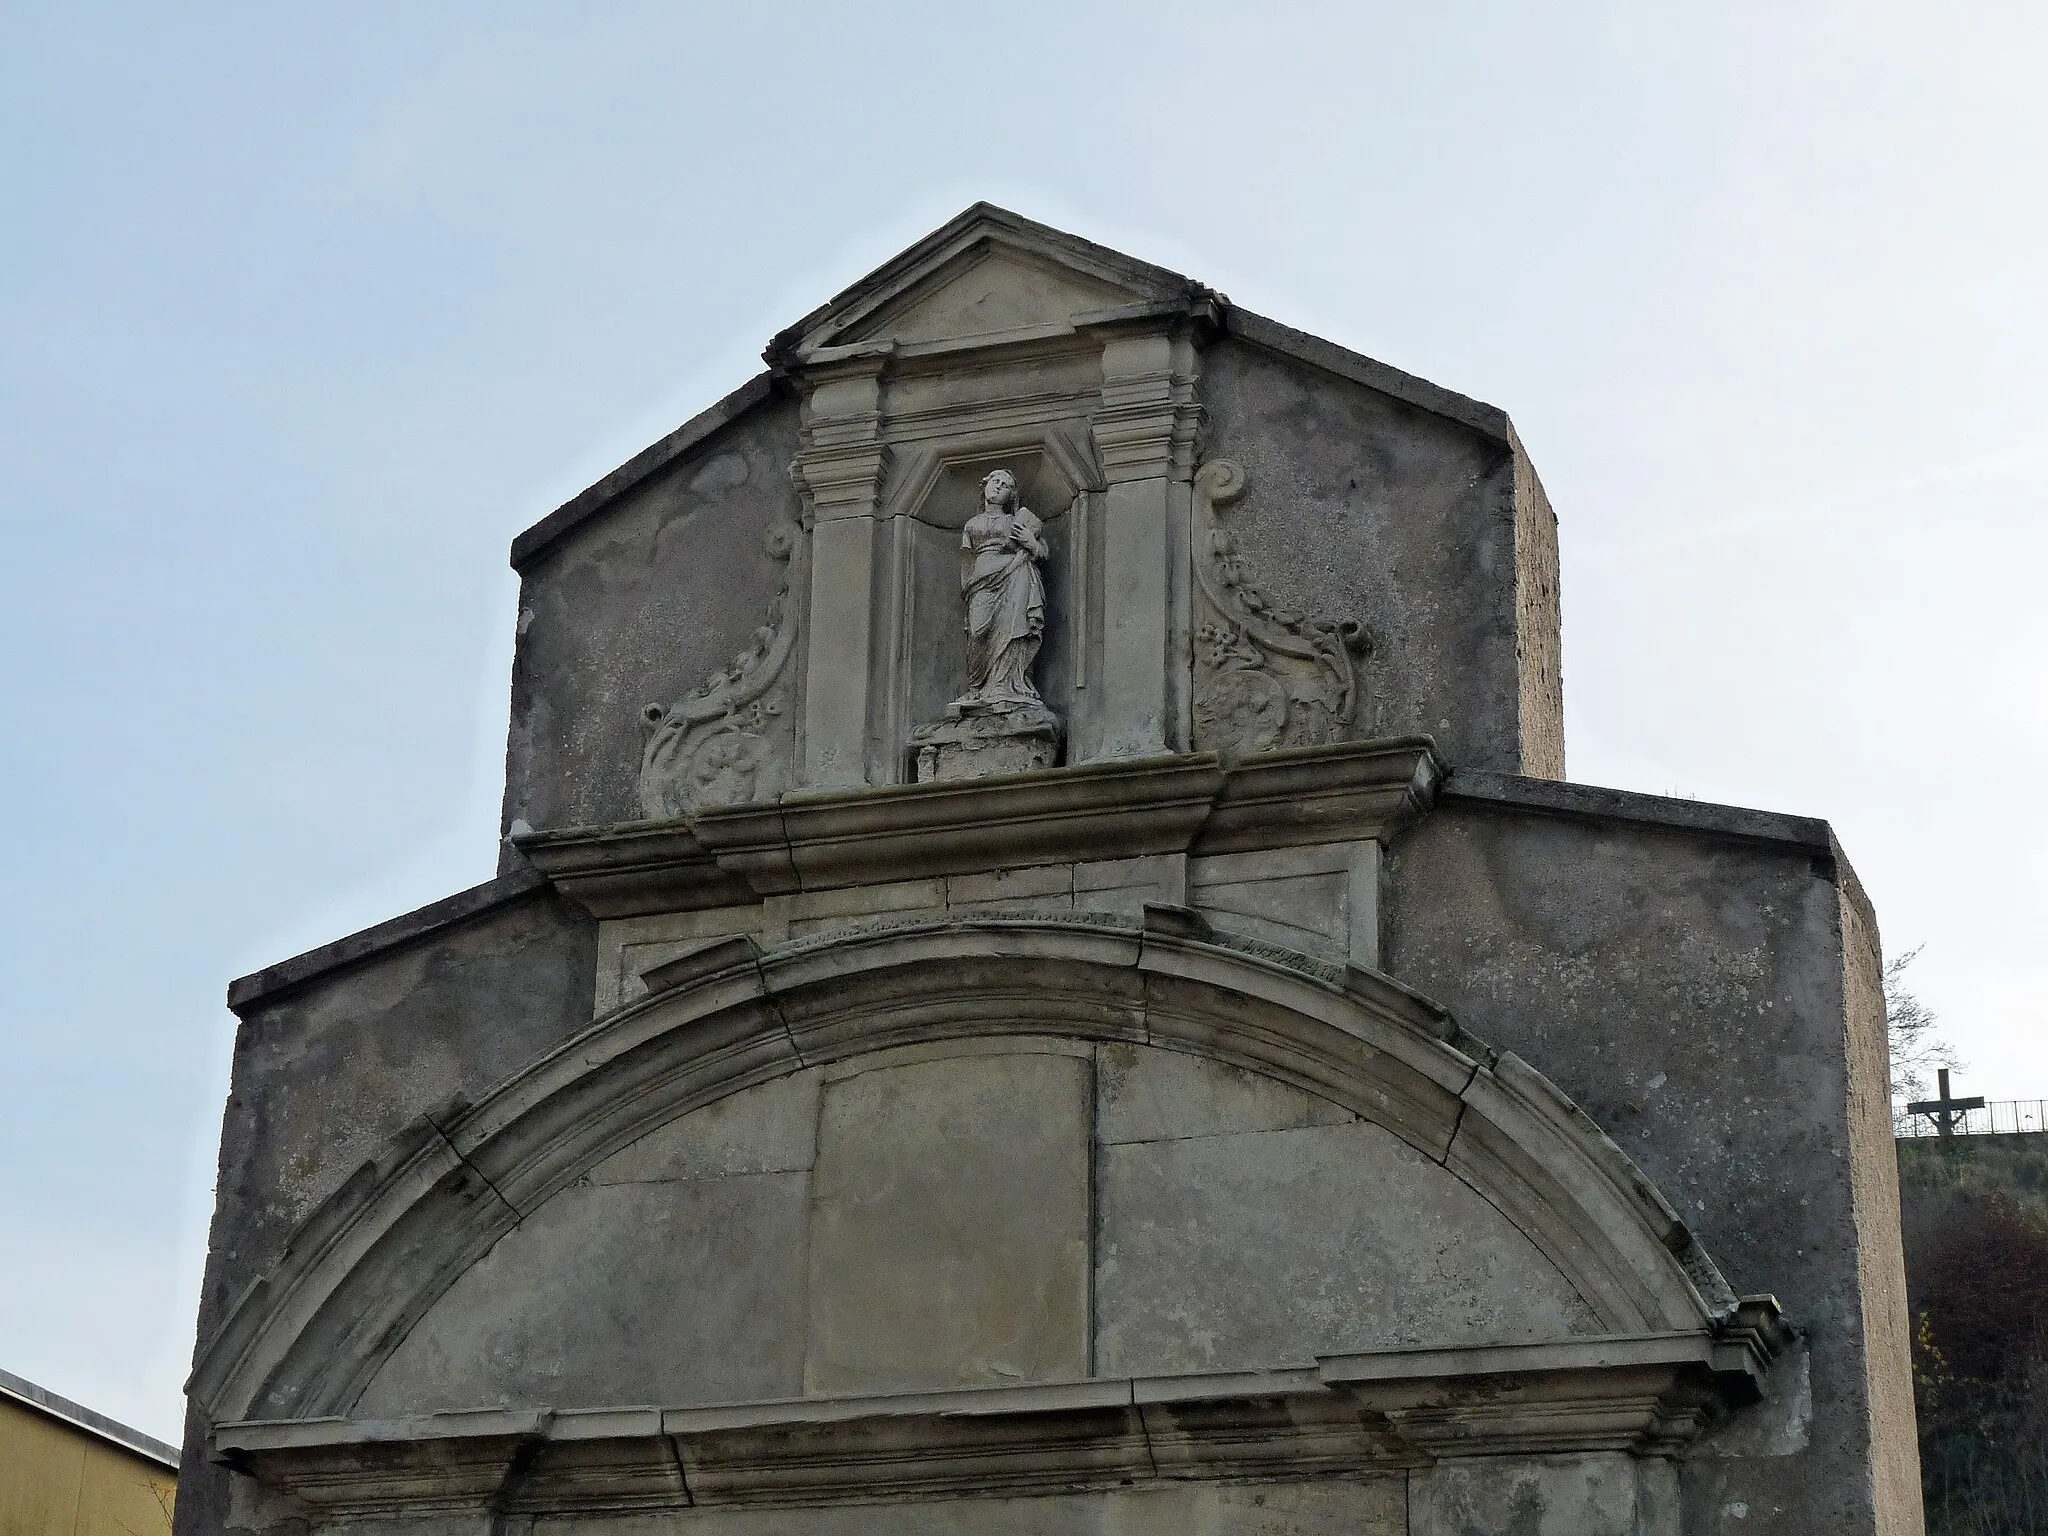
1191, 803
1385, 1412
668, 854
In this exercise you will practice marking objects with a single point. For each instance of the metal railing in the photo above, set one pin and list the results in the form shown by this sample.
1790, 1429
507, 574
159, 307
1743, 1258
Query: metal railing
2000, 1117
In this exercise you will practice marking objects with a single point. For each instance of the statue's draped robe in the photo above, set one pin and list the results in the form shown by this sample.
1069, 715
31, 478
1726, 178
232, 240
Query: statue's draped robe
1005, 609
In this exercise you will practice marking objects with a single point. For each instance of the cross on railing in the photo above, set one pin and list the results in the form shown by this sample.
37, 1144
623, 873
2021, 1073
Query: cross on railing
1945, 1112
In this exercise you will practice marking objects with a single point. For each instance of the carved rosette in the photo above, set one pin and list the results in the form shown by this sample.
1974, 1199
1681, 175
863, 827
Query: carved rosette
1264, 677
733, 740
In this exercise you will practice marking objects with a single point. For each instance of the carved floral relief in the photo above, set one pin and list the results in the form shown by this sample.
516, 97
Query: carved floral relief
733, 740
1265, 677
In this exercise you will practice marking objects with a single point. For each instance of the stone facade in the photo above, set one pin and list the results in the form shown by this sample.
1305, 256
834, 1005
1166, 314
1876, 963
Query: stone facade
1044, 979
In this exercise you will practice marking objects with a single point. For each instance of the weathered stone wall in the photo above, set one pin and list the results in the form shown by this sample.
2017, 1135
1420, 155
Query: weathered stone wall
351, 1054
1975, 1211
621, 614
1693, 997
995, 1145
1684, 973
1433, 534
1933, 1172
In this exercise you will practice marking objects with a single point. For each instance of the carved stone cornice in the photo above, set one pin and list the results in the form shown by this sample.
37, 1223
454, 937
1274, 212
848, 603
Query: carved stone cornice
647, 866
1322, 794
1646, 1395
1350, 1414
1178, 804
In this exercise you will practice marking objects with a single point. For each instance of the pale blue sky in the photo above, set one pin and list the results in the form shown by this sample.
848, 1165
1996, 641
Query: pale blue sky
306, 310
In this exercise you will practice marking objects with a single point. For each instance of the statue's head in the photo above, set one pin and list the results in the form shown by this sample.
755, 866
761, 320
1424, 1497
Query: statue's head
999, 488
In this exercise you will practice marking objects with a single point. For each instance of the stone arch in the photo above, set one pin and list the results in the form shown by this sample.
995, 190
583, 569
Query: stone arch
367, 1265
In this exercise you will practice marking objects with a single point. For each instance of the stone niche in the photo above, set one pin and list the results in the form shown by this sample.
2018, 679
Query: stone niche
1042, 981
947, 494
943, 491
1088, 405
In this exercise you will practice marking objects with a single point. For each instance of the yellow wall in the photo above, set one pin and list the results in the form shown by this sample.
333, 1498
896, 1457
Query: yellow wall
58, 1480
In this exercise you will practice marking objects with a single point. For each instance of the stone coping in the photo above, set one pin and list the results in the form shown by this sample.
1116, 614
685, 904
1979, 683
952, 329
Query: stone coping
393, 933
1192, 803
585, 504
1590, 802
1488, 420
1379, 1412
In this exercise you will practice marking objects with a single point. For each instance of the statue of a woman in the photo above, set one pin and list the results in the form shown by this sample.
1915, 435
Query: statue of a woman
999, 553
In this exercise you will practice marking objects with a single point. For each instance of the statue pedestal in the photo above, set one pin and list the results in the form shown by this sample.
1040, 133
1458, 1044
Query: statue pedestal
975, 746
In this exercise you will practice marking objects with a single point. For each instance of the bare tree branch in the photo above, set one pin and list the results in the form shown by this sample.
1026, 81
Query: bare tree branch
1917, 1051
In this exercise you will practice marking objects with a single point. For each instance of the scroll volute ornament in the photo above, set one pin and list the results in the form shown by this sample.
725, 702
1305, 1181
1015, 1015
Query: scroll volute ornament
733, 740
1264, 677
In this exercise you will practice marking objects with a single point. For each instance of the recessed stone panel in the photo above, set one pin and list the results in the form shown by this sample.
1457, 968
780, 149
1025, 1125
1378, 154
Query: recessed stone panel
992, 292
1266, 1247
1594, 1495
676, 1291
949, 1226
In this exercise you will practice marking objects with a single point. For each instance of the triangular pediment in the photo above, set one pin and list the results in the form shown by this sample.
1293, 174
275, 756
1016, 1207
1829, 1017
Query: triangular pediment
987, 273
988, 290
990, 278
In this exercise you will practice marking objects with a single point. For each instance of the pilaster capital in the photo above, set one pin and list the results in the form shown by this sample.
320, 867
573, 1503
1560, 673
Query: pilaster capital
1148, 425
843, 454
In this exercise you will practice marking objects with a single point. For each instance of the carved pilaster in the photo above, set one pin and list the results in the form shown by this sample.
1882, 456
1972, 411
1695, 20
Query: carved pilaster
839, 471
1148, 425
1147, 431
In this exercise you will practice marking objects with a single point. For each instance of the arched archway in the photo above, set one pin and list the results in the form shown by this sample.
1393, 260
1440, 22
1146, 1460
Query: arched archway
375, 1260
